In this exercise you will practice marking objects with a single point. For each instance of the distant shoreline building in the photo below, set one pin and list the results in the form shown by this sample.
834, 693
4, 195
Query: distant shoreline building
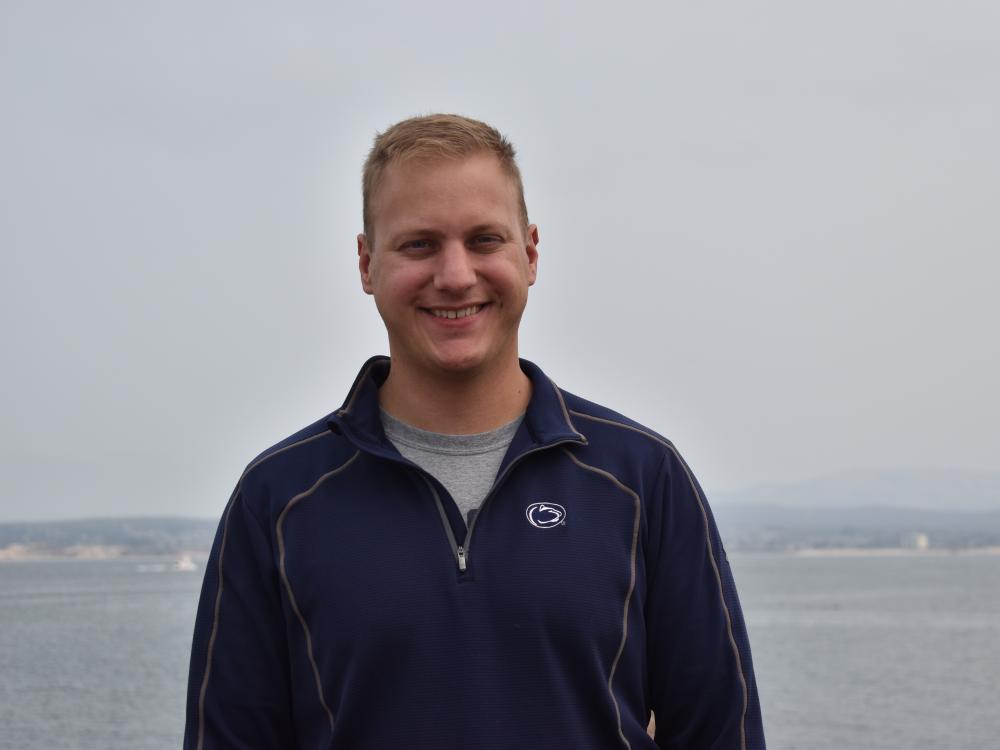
917, 540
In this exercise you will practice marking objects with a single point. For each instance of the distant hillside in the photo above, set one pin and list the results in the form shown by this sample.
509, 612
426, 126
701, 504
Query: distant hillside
758, 527
106, 537
923, 489
866, 508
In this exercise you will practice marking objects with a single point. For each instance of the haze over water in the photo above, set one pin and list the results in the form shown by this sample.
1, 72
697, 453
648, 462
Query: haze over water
874, 653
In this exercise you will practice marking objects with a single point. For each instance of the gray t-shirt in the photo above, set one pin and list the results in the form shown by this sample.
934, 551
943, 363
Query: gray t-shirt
465, 464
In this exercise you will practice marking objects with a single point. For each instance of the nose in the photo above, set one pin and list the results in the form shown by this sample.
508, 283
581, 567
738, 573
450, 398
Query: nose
455, 271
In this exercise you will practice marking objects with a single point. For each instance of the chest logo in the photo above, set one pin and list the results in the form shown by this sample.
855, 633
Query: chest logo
545, 515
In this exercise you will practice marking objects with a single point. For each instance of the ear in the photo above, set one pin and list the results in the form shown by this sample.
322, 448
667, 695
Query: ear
531, 249
365, 264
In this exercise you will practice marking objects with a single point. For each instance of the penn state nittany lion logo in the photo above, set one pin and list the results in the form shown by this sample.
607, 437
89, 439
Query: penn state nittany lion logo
545, 515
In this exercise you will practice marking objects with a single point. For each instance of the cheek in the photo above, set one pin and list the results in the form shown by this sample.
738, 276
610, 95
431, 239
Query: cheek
520, 277
397, 296
396, 284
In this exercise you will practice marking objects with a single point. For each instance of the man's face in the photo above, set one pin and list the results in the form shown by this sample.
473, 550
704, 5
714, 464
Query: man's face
451, 264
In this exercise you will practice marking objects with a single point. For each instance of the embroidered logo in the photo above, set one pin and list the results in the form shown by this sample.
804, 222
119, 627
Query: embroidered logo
545, 515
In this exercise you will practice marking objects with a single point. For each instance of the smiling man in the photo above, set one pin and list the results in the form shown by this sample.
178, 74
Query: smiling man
464, 555
449, 256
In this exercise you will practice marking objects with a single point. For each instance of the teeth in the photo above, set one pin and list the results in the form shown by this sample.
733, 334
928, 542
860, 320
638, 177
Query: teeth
457, 313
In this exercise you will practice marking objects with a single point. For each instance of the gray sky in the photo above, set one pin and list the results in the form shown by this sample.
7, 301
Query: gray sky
768, 230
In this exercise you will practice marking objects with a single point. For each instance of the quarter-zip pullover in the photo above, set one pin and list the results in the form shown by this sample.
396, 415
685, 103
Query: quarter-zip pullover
347, 606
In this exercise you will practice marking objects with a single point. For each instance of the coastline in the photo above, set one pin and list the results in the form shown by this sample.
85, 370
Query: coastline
16, 553
991, 551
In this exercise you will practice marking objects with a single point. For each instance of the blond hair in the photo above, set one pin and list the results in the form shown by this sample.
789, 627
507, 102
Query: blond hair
433, 137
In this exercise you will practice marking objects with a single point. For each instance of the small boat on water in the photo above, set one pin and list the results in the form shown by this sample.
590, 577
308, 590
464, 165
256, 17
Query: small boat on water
185, 564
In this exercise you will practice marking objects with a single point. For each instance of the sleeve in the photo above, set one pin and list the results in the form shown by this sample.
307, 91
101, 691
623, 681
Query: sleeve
238, 684
702, 687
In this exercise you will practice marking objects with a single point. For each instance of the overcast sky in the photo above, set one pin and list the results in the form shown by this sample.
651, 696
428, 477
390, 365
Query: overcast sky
769, 230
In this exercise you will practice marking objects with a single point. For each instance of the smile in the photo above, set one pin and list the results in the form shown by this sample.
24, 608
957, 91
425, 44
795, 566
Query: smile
463, 313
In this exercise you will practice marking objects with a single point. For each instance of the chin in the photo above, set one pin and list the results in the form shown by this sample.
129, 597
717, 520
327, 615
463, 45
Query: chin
459, 362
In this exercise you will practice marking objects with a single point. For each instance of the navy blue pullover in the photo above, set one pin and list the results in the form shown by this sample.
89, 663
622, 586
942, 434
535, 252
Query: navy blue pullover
346, 606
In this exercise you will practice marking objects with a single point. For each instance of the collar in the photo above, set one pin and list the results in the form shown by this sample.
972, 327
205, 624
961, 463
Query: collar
546, 420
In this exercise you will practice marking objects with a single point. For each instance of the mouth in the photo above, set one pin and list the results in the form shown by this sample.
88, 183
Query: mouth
456, 313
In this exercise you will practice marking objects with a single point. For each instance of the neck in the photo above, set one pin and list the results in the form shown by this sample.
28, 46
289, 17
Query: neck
456, 403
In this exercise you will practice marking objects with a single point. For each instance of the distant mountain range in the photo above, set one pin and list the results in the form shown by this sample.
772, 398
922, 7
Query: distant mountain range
872, 508
761, 527
919, 489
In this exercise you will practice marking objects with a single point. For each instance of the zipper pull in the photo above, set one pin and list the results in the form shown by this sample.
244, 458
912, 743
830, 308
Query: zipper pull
461, 559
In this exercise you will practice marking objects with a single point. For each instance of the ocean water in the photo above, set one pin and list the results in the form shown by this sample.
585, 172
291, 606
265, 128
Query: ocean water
875, 653
866, 653
94, 654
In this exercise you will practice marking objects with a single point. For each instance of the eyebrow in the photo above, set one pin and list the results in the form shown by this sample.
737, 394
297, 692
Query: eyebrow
495, 228
415, 231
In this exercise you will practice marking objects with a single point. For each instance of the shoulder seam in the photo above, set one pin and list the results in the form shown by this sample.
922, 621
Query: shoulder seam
662, 441
257, 462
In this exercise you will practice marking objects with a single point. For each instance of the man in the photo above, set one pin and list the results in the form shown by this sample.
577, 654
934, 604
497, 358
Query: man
463, 555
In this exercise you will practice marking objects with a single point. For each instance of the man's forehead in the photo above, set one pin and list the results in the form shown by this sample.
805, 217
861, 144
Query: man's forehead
432, 185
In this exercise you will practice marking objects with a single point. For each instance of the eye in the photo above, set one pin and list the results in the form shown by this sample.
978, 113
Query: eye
486, 240
417, 245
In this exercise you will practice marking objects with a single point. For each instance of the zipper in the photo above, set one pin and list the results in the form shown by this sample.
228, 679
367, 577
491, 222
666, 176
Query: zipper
456, 550
461, 551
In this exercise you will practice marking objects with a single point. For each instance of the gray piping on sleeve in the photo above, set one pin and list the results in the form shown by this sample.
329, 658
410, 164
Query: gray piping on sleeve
218, 594
712, 555
279, 526
631, 583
